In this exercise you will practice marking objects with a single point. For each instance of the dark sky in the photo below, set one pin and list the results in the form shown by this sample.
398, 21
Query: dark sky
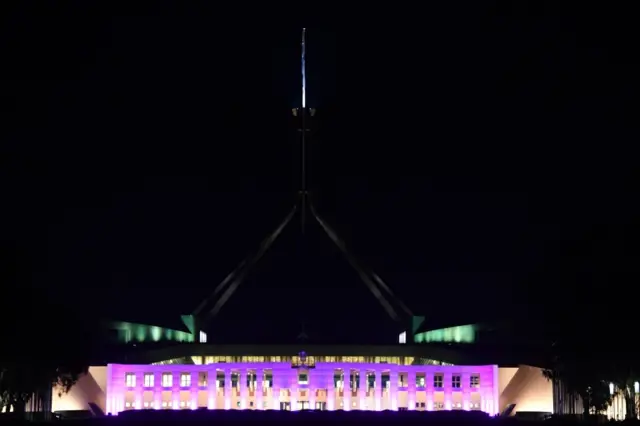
479, 159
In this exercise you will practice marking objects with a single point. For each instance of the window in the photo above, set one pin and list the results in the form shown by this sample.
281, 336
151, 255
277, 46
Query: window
421, 381
130, 380
202, 379
438, 406
185, 380
475, 405
167, 380
203, 337
402, 379
303, 379
455, 381
148, 380
437, 381
475, 381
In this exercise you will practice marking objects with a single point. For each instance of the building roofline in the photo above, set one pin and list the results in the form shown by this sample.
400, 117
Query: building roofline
444, 353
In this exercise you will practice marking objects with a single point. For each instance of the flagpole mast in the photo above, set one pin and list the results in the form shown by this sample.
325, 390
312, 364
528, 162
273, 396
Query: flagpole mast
303, 111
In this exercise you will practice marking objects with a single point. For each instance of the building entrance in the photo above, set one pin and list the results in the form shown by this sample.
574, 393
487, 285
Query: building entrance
285, 406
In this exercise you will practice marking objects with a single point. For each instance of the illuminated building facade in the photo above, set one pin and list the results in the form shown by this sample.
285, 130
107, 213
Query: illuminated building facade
397, 377
322, 386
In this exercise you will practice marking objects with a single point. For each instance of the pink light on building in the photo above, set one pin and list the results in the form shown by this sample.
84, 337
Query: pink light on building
395, 387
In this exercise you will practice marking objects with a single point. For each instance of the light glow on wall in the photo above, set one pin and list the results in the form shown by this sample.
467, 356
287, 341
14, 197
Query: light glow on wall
119, 396
140, 333
458, 334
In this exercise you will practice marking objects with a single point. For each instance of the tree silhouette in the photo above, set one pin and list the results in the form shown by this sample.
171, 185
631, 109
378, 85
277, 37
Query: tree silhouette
45, 343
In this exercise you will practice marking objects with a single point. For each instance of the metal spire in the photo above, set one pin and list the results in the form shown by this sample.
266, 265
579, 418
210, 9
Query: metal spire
210, 307
304, 66
303, 148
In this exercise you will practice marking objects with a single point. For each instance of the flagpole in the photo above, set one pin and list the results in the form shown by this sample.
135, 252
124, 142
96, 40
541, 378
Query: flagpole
303, 111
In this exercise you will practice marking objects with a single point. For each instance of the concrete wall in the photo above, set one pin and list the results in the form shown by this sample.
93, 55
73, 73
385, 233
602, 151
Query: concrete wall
91, 387
526, 387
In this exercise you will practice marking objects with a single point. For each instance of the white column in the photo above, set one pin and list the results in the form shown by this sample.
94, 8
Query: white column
293, 388
362, 392
137, 404
275, 377
428, 387
378, 390
447, 383
486, 395
320, 380
346, 386
466, 391
483, 396
311, 386
331, 389
227, 389
195, 377
411, 390
157, 390
120, 395
393, 389
175, 391
258, 391
212, 388
496, 392
242, 377
110, 391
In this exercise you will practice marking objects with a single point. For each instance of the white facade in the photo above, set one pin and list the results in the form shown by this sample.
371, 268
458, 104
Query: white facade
524, 386
328, 386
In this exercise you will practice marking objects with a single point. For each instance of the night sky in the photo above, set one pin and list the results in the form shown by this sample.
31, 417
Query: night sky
479, 160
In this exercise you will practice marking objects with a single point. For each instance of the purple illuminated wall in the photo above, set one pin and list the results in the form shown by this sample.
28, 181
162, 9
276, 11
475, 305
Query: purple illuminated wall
419, 387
